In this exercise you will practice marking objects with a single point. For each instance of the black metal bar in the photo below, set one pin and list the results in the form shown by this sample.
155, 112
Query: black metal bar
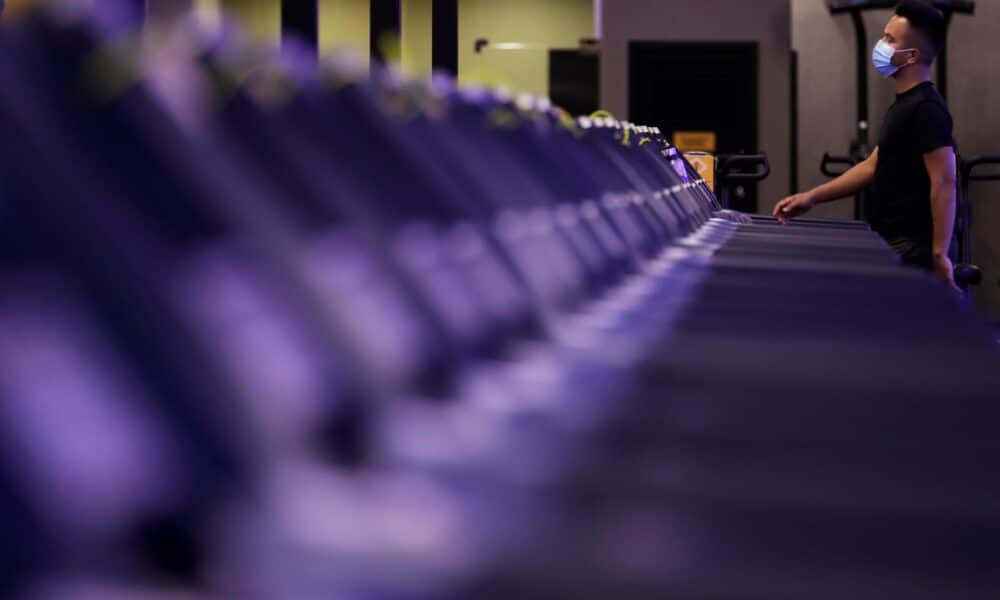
860, 147
444, 35
300, 22
793, 128
861, 42
728, 164
967, 166
942, 60
386, 23
948, 7
828, 160
965, 7
970, 164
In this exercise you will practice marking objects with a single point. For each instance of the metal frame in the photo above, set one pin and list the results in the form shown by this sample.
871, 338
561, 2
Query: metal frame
793, 125
729, 171
967, 167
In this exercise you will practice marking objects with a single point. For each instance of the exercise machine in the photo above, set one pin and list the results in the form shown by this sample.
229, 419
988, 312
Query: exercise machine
338, 335
966, 272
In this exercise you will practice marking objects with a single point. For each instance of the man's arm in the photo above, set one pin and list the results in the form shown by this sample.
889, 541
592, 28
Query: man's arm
941, 169
850, 183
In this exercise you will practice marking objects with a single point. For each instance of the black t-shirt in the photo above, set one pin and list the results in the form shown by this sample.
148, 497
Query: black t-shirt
918, 122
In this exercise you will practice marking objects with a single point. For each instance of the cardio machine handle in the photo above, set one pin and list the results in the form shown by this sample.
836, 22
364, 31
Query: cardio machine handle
829, 160
727, 162
969, 165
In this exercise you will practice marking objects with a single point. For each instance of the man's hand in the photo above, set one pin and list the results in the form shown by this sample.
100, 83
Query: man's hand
793, 206
946, 271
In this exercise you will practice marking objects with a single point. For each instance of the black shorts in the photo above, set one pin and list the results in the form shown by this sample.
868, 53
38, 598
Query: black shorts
913, 253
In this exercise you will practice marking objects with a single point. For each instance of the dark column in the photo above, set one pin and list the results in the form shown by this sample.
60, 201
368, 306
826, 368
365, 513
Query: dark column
793, 129
386, 20
300, 22
444, 32
862, 57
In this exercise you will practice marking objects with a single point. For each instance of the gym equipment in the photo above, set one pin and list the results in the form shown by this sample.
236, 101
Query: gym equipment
273, 332
968, 274
729, 172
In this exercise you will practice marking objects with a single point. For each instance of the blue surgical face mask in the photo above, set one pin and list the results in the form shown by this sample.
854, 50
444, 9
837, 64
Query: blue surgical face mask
882, 58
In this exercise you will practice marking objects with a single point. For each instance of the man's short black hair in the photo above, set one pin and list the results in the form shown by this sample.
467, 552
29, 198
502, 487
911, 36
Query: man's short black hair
926, 19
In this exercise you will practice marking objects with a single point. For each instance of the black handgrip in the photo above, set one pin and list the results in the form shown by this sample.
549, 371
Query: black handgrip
828, 160
727, 162
967, 275
969, 165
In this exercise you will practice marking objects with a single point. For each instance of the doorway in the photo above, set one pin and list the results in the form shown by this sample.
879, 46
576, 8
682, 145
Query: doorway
699, 87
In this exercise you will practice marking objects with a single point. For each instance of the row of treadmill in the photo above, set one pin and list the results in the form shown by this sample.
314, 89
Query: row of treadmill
276, 331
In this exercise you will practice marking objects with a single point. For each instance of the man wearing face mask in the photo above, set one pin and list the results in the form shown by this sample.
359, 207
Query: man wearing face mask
912, 170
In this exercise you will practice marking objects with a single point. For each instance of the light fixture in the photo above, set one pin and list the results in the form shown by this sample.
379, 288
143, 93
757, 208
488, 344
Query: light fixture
482, 43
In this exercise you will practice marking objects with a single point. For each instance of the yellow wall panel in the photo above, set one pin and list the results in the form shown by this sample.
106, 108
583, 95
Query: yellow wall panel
261, 19
417, 31
345, 23
529, 28
521, 33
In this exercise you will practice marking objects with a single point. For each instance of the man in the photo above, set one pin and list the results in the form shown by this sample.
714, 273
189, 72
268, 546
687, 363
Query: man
913, 167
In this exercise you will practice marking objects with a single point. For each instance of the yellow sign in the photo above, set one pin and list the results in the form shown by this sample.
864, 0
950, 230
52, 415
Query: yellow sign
704, 163
695, 141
